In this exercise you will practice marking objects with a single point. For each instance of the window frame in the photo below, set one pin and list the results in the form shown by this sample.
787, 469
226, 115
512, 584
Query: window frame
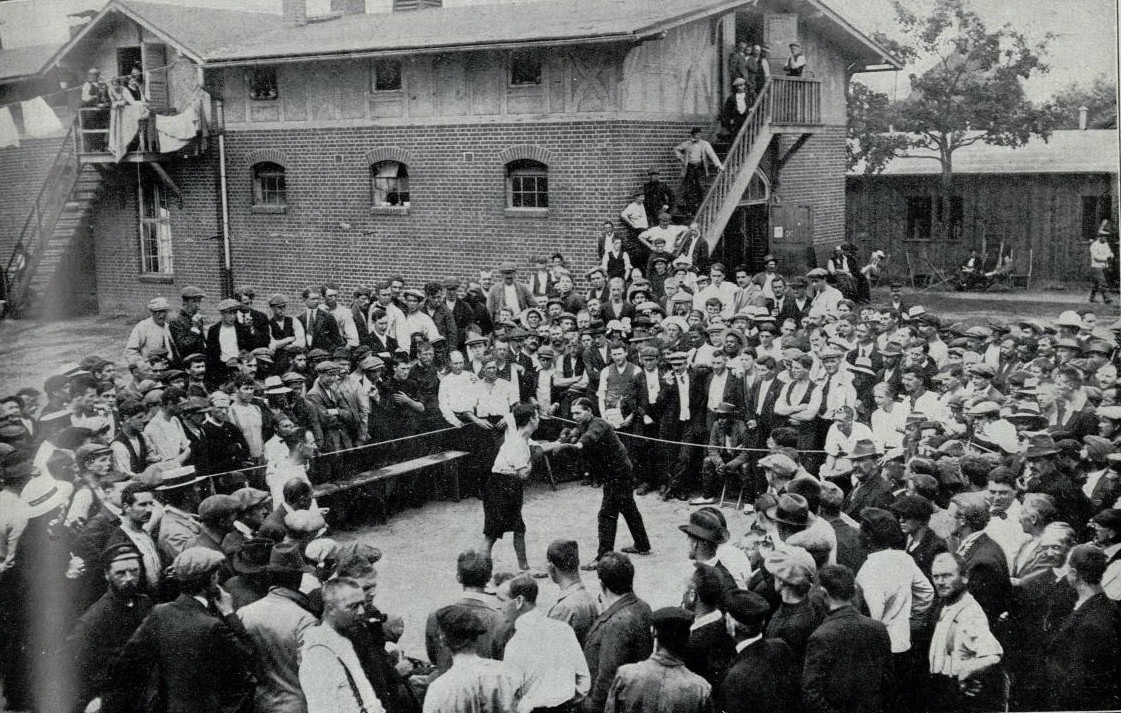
522, 169
265, 76
402, 207
374, 76
156, 244
518, 56
261, 193
915, 218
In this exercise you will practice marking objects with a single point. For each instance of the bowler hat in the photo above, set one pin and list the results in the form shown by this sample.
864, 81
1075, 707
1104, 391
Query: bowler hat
286, 558
1041, 446
792, 510
704, 525
253, 556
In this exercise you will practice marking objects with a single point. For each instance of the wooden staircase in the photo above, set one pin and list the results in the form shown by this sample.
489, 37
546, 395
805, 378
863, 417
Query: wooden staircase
787, 105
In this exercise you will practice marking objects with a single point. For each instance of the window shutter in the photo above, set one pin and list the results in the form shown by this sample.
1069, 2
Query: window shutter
154, 60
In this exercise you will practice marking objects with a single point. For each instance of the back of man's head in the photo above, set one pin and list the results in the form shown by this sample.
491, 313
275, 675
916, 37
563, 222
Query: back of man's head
1088, 562
524, 586
838, 581
708, 585
474, 568
564, 555
616, 573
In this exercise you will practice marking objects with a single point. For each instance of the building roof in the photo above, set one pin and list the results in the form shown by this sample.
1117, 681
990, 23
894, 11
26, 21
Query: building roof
217, 37
20, 62
1067, 151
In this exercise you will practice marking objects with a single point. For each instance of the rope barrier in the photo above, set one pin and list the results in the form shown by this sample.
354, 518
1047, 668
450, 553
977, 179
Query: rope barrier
688, 443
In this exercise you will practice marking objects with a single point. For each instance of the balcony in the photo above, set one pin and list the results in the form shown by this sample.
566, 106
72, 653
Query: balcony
93, 137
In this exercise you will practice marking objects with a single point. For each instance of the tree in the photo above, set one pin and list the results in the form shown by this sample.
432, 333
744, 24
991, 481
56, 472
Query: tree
1100, 98
971, 94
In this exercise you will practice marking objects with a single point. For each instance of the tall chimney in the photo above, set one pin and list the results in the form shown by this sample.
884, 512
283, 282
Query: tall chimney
349, 7
295, 12
1083, 117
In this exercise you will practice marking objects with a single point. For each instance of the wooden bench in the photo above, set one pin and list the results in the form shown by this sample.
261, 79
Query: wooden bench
448, 460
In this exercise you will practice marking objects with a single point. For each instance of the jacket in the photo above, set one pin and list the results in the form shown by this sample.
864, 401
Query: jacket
1083, 658
925, 550
215, 367
496, 298
332, 431
221, 659
620, 635
875, 492
710, 652
326, 659
660, 684
848, 667
989, 582
277, 625
488, 645
445, 323
98, 638
324, 332
765, 419
187, 338
760, 680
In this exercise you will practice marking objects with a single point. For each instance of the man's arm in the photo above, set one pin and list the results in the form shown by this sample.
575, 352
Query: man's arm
132, 347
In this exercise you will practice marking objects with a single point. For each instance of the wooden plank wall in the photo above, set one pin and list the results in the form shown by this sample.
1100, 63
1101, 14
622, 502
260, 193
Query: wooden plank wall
1042, 212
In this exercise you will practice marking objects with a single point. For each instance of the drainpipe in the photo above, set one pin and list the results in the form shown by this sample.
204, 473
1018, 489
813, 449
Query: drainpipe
227, 260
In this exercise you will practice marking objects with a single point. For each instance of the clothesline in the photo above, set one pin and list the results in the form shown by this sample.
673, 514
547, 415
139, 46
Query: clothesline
79, 87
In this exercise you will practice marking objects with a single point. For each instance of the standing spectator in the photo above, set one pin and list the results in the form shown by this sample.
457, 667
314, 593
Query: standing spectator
187, 334
636, 222
200, 627
544, 652
711, 647
473, 571
321, 329
963, 651
657, 197
575, 605
1101, 254
1081, 659
760, 679
986, 566
848, 659
914, 512
509, 294
799, 615
662, 683
472, 683
762, 67
225, 341
151, 334
255, 321
343, 315
695, 155
331, 675
621, 634
796, 62
736, 108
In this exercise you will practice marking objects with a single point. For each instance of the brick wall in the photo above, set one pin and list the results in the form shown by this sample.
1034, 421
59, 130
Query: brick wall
22, 170
457, 222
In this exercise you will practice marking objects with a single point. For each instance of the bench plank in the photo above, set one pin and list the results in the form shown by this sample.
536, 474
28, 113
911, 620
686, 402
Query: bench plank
387, 472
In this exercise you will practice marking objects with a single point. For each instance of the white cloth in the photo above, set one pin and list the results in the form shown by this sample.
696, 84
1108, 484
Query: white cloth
549, 663
177, 130
325, 659
887, 428
39, 118
962, 633
227, 341
1007, 532
895, 590
9, 135
683, 396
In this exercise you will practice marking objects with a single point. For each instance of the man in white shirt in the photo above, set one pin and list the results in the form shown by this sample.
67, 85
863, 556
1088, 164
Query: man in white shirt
826, 297
151, 333
725, 291
342, 314
669, 233
550, 667
415, 322
1100, 255
695, 155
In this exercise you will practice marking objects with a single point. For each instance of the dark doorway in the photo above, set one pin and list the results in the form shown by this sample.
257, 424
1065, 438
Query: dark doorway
745, 239
127, 58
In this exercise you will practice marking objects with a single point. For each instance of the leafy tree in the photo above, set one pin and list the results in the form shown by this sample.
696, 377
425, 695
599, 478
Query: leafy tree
1100, 98
971, 94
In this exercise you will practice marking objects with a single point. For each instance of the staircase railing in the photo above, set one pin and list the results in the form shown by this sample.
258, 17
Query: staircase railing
783, 101
41, 219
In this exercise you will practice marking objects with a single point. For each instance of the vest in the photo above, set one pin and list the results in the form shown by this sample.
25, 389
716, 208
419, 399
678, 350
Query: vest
615, 266
137, 461
282, 330
621, 385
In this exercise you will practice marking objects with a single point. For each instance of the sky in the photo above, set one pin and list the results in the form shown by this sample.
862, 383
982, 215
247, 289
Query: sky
1085, 45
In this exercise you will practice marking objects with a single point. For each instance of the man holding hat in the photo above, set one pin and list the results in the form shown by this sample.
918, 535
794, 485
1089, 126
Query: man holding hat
199, 627
150, 333
186, 327
662, 682
761, 678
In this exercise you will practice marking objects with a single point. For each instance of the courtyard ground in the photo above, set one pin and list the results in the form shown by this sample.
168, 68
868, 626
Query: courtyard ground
420, 545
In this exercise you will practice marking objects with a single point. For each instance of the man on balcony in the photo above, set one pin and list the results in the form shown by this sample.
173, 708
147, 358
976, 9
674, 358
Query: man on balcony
95, 110
695, 156
736, 108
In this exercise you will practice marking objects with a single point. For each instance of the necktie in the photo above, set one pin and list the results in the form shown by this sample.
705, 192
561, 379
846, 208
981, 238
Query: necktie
825, 396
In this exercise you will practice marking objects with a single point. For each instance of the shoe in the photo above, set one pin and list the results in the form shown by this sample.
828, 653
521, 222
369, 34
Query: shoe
635, 551
681, 496
644, 489
590, 567
703, 501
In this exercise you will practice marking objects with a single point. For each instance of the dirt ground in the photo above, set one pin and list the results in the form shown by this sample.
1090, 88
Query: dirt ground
420, 545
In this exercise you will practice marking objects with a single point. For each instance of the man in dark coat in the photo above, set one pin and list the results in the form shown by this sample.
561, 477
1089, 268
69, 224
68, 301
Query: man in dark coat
187, 334
872, 490
103, 630
320, 326
621, 634
985, 562
736, 108
199, 627
658, 198
254, 320
473, 572
710, 648
848, 660
1082, 658
760, 678
914, 513
217, 351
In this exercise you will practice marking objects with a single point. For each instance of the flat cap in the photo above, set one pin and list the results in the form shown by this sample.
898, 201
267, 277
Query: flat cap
218, 507
793, 565
912, 506
983, 370
228, 305
190, 292
779, 463
249, 497
292, 377
1110, 518
304, 522
817, 273
326, 367
219, 399
195, 562
746, 607
983, 408
158, 303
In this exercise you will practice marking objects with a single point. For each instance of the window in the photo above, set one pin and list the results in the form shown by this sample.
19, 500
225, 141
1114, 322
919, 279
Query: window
956, 217
262, 84
269, 190
387, 75
527, 184
920, 211
1095, 209
155, 229
525, 68
389, 184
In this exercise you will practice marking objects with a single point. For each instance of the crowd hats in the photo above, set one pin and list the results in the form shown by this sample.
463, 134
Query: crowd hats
779, 463
864, 448
704, 525
253, 556
792, 565
746, 607
228, 305
1041, 446
218, 507
912, 507
196, 562
190, 292
248, 498
275, 385
286, 558
792, 510
158, 304
45, 495
1109, 518
181, 477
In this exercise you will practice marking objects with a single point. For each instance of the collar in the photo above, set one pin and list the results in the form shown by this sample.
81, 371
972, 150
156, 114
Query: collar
968, 541
747, 642
529, 619
710, 618
666, 659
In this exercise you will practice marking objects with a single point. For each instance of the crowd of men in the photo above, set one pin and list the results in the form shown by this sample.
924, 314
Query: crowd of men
931, 504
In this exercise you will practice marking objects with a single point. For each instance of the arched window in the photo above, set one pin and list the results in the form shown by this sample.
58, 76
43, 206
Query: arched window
527, 184
269, 190
389, 184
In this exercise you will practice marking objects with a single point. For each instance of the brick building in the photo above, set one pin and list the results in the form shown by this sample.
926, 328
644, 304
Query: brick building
436, 141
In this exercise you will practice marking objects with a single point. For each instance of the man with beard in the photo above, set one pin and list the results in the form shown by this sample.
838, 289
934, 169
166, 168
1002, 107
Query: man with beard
103, 630
151, 333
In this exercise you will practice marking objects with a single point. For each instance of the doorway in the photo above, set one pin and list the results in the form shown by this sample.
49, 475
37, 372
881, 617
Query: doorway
127, 58
744, 241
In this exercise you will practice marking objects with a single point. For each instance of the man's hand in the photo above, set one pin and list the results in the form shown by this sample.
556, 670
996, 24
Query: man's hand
224, 601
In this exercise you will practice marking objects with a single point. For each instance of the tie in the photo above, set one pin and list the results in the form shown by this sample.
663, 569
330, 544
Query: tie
825, 396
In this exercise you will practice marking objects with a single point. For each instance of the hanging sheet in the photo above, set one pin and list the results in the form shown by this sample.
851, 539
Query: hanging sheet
39, 118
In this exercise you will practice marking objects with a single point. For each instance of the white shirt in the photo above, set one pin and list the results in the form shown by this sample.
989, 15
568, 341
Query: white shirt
895, 590
227, 342
513, 454
682, 380
716, 389
962, 633
417, 322
887, 428
839, 445
457, 395
736, 562
166, 436
510, 298
494, 399
347, 328
148, 552
547, 661
634, 215
1007, 532
1111, 580
1100, 254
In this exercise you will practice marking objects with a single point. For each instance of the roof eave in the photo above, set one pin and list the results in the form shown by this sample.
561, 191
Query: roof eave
893, 63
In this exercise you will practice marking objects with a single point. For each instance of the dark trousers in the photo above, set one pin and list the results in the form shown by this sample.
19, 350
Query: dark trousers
686, 459
648, 457
711, 480
618, 499
945, 694
1099, 283
693, 191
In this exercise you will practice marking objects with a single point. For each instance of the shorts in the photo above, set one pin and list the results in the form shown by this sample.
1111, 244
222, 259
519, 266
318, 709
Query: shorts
502, 505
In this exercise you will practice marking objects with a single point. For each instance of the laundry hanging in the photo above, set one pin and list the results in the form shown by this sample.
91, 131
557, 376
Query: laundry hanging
9, 135
124, 122
178, 130
39, 119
